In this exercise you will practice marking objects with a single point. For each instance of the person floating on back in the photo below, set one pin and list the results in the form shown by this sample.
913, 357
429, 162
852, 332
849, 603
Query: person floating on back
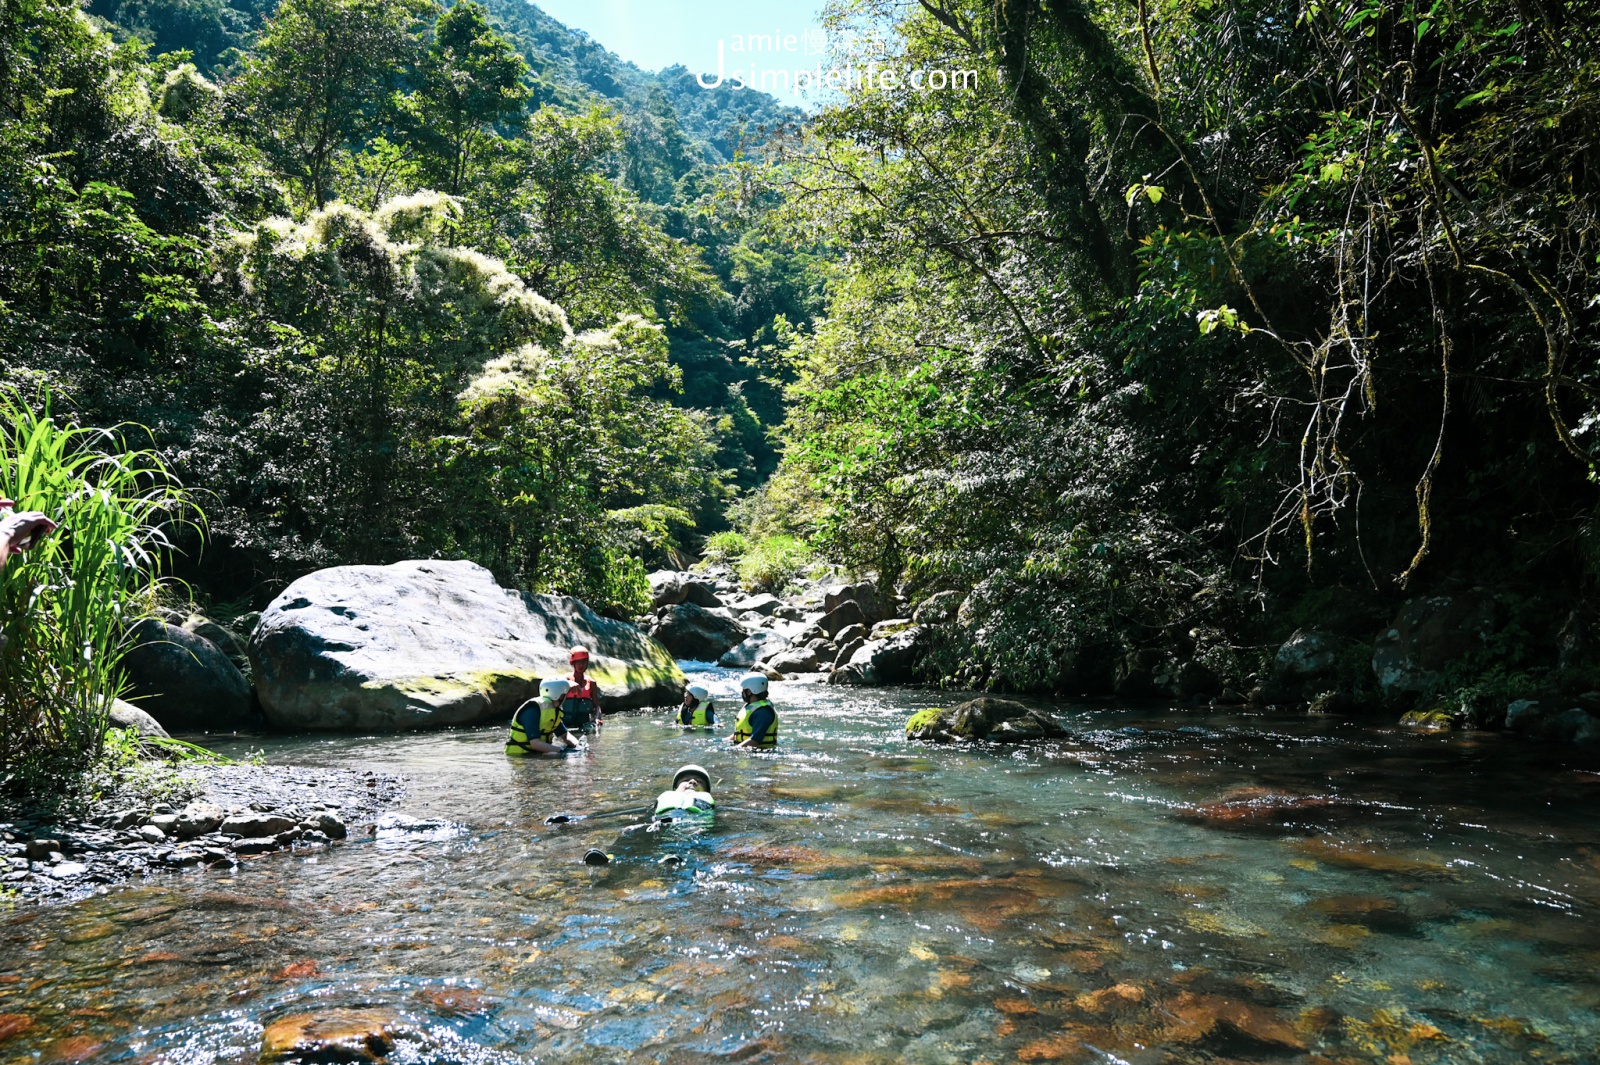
537, 724
757, 726
581, 706
697, 710
690, 798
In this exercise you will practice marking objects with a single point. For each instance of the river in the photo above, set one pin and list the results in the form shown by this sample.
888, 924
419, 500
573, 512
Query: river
1171, 887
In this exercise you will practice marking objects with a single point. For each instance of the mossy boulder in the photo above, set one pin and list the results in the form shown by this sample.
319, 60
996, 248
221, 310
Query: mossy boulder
996, 720
433, 644
1436, 720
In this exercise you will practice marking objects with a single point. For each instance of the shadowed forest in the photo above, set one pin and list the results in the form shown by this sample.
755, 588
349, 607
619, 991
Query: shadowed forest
1187, 327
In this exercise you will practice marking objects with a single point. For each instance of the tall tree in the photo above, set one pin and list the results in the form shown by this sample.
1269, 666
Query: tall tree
323, 80
470, 81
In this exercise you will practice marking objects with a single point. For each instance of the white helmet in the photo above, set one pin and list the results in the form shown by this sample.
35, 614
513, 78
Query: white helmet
699, 692
554, 687
754, 683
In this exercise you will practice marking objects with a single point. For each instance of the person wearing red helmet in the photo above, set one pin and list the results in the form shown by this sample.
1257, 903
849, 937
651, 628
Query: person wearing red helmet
581, 707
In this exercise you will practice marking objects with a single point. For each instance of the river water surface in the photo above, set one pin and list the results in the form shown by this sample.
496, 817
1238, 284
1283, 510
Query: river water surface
1170, 887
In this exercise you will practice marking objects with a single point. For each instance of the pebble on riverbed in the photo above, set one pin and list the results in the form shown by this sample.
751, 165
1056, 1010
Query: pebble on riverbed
242, 811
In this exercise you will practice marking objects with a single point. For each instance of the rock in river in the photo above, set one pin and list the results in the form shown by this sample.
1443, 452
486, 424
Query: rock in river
999, 720
429, 644
691, 631
182, 680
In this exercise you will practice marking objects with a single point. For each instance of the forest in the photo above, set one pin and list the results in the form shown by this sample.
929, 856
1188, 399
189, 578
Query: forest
1185, 326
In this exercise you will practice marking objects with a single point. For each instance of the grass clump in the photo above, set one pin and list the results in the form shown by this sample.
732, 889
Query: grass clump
725, 547
66, 605
772, 562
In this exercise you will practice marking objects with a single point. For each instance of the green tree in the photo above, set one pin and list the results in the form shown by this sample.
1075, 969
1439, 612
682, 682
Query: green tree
472, 85
322, 81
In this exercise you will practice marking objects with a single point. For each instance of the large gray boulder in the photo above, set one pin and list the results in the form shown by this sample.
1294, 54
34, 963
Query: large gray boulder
864, 595
889, 661
433, 644
1428, 634
758, 645
701, 594
182, 680
693, 632
667, 587
938, 608
1308, 653
765, 604
842, 616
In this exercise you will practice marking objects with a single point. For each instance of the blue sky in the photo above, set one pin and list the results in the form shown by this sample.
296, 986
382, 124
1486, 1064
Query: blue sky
658, 33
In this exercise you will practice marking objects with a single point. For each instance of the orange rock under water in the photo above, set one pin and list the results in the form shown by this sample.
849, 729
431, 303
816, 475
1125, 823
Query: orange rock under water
297, 970
14, 1024
1374, 857
1253, 805
71, 1049
339, 1035
1198, 1017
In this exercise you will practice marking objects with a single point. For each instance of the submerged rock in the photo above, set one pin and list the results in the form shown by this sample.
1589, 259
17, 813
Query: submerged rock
433, 644
182, 679
988, 718
330, 1035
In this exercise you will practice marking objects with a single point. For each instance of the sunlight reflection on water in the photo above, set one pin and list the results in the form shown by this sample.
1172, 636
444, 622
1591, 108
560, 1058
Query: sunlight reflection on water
1165, 886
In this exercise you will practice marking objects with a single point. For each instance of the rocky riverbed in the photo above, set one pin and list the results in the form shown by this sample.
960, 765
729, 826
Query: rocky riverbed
234, 813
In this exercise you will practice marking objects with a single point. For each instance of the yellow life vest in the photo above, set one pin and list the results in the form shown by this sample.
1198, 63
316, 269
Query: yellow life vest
742, 729
704, 715
549, 717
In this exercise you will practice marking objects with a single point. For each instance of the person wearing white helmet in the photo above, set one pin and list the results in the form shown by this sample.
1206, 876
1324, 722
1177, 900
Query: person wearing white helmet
690, 798
757, 726
697, 711
537, 724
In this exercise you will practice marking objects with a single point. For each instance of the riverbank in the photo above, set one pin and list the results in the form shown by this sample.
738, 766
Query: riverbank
206, 817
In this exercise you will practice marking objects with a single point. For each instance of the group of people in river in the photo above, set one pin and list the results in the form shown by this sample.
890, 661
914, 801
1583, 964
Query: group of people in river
565, 707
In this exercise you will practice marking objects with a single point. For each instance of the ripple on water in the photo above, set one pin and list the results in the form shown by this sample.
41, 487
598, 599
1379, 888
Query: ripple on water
1203, 887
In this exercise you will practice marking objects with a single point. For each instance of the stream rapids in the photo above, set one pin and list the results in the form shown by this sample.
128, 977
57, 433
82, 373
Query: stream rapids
1167, 887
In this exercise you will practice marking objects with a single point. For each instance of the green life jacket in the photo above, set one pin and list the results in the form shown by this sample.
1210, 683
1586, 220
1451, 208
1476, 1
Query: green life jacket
685, 806
704, 714
742, 730
549, 718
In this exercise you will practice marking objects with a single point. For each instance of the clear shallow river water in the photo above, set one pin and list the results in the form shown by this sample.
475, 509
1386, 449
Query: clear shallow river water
1171, 887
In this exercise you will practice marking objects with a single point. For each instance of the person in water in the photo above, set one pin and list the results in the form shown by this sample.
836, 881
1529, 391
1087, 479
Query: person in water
697, 711
537, 724
581, 706
688, 801
757, 726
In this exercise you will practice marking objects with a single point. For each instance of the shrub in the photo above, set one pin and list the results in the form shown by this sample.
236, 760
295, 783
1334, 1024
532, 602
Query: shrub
770, 563
64, 605
726, 546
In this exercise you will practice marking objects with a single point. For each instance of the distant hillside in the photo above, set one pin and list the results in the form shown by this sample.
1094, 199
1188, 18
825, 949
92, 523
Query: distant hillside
575, 70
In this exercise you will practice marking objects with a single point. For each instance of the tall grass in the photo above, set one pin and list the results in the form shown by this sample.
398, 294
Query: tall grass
65, 606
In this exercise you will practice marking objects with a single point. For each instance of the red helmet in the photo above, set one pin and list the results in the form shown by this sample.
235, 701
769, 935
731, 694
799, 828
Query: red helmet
579, 654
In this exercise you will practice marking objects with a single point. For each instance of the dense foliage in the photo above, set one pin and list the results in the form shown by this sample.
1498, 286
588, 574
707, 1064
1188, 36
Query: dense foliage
1196, 321
391, 279
63, 605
